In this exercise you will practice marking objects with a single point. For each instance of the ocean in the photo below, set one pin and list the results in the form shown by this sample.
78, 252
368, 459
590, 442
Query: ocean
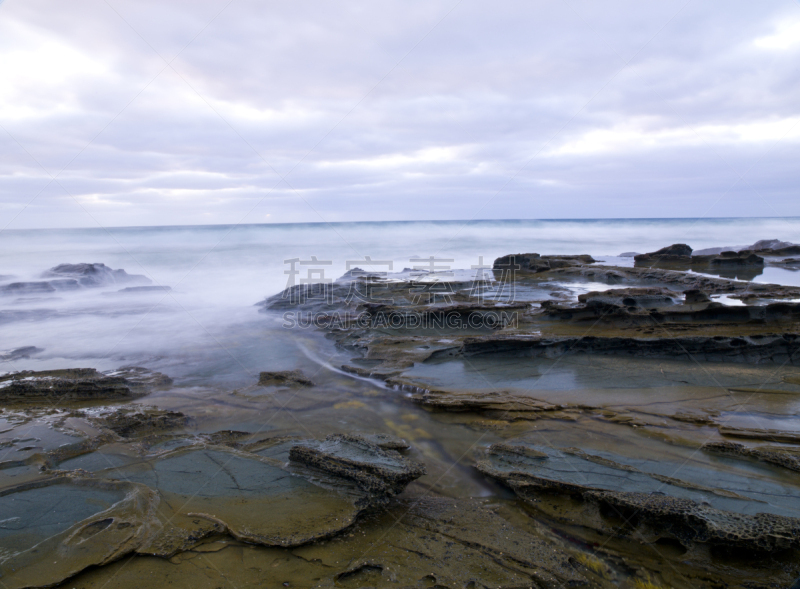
217, 274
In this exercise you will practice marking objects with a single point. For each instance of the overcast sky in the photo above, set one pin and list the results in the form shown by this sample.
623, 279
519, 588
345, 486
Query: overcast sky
124, 112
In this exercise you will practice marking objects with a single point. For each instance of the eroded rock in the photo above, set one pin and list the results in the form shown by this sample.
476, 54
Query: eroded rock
778, 455
679, 509
166, 504
78, 384
129, 423
382, 473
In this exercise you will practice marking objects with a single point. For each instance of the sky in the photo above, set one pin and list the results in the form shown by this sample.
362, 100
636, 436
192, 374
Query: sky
124, 113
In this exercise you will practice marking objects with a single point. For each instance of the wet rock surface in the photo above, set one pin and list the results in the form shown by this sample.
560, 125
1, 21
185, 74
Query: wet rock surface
777, 455
640, 435
129, 423
676, 508
421, 542
165, 504
78, 384
378, 471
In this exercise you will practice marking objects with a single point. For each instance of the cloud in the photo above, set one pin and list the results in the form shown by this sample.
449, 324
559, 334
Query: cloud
311, 111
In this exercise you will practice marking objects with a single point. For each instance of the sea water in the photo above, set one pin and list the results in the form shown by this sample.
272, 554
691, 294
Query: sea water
219, 272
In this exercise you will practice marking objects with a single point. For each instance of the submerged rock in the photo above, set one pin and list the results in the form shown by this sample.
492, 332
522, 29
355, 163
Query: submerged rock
78, 384
285, 378
61, 525
167, 504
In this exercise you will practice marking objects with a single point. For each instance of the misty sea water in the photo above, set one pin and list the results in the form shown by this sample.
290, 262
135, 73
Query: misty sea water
219, 272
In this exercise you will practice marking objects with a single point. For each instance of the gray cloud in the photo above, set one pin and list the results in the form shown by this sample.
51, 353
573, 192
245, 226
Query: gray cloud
375, 111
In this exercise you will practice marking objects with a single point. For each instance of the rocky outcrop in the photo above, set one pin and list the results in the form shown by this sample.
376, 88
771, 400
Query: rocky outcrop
630, 297
775, 348
777, 455
382, 473
130, 423
537, 263
91, 275
78, 384
38, 288
652, 276
683, 510
70, 277
678, 252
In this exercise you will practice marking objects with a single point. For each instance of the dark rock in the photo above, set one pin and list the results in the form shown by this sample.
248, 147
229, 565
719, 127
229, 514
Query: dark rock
23, 288
677, 252
769, 244
284, 378
128, 423
537, 263
78, 384
630, 297
90, 275
381, 473
776, 348
694, 296
728, 259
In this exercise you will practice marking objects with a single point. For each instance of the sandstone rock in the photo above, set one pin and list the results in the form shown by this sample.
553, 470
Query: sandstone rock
380, 473
674, 508
778, 455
